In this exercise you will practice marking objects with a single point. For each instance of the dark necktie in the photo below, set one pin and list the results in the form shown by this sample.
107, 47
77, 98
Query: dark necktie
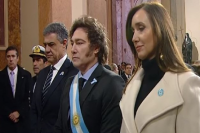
47, 83
81, 83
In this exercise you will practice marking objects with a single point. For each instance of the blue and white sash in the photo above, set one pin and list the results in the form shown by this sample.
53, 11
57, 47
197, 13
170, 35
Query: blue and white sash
76, 118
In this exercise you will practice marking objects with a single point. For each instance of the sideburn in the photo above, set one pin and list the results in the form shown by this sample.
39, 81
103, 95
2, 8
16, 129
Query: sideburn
89, 53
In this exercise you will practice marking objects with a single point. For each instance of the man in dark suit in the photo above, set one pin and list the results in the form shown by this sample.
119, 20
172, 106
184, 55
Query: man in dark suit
15, 85
39, 62
127, 72
51, 80
122, 68
90, 101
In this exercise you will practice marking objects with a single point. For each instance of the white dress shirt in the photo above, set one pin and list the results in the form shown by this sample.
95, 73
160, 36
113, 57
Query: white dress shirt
15, 78
57, 66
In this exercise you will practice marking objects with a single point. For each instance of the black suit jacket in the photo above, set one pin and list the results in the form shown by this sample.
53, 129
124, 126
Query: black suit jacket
18, 103
124, 77
34, 78
44, 117
99, 103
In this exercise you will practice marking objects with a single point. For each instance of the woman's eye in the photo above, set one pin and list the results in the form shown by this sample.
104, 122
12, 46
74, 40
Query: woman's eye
141, 28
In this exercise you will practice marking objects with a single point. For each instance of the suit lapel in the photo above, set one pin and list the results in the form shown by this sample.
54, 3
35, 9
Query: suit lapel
7, 81
90, 84
19, 80
128, 100
59, 76
155, 105
65, 100
40, 85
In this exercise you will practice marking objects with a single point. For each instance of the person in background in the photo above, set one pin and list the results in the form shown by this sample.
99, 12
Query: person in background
163, 95
15, 85
114, 68
90, 101
122, 68
127, 72
106, 65
39, 62
51, 80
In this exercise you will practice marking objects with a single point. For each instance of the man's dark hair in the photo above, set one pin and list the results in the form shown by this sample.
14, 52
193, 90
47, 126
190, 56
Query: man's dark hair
96, 35
44, 59
57, 28
12, 48
128, 64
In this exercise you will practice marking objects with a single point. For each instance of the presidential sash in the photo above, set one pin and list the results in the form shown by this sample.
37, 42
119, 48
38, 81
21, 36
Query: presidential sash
76, 118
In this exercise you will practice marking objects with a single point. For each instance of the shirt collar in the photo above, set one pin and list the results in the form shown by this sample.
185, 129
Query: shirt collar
60, 62
15, 70
88, 73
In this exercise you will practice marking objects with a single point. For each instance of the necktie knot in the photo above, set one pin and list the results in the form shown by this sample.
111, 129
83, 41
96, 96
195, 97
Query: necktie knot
52, 68
12, 73
81, 83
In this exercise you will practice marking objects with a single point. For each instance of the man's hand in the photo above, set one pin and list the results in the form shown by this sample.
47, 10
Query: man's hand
14, 116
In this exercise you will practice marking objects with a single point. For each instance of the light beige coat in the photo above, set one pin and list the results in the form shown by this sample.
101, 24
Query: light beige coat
176, 111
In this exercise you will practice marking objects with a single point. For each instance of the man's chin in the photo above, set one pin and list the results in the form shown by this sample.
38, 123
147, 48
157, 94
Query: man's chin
36, 72
50, 61
75, 64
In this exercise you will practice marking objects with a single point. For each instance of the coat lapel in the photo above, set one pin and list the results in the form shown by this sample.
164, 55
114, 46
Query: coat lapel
127, 103
40, 85
7, 81
155, 105
90, 84
20, 78
59, 76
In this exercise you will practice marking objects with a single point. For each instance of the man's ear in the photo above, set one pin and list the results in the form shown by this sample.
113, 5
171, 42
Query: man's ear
96, 50
65, 43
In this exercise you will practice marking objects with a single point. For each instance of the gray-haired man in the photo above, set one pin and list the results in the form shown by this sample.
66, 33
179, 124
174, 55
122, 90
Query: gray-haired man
51, 80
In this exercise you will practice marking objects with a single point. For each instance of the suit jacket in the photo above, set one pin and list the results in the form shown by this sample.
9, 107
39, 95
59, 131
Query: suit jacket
99, 103
124, 77
18, 103
34, 78
175, 110
44, 117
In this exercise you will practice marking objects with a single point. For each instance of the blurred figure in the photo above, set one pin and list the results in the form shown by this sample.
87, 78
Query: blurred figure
39, 60
163, 95
106, 65
196, 68
114, 68
15, 86
197, 62
127, 72
122, 68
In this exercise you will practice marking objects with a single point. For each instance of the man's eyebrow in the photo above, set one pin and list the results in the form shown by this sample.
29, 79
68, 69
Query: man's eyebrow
45, 43
76, 40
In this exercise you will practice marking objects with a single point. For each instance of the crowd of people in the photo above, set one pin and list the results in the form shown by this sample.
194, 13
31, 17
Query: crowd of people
85, 94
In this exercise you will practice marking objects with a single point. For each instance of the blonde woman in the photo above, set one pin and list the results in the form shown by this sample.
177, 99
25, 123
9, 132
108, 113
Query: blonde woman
114, 68
164, 95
